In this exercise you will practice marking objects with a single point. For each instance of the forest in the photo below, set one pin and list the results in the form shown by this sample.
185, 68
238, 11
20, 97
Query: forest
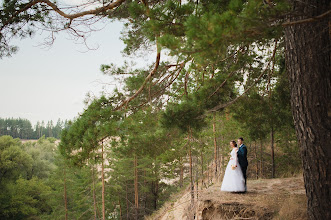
223, 70
133, 172
23, 129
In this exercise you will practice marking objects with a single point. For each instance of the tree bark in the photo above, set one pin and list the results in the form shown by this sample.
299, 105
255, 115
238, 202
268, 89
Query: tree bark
308, 65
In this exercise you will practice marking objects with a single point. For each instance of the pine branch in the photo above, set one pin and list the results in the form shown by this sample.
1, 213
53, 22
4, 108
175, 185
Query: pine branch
221, 106
157, 62
169, 84
319, 17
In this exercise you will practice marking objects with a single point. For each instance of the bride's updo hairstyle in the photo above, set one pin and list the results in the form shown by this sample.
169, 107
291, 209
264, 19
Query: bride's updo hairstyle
234, 143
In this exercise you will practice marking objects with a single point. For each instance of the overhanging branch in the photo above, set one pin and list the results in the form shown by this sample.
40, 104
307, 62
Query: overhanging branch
83, 13
157, 62
62, 13
158, 93
307, 20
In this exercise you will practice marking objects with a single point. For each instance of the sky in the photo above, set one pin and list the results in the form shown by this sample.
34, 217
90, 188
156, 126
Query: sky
51, 83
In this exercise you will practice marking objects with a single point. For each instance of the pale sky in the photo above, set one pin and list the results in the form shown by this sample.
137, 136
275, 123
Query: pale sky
48, 84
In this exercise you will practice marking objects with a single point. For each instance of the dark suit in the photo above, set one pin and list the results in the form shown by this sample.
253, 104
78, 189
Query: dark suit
242, 159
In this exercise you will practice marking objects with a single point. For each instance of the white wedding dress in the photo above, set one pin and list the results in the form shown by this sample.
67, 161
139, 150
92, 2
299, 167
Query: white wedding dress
233, 180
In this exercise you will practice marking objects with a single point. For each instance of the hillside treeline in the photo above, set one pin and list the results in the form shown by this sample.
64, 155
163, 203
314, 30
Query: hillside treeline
23, 129
131, 174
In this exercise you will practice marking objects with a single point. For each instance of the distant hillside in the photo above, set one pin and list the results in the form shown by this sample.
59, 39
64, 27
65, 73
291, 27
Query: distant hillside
282, 198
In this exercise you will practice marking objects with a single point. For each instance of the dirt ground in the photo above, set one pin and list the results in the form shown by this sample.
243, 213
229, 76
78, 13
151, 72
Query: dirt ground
282, 198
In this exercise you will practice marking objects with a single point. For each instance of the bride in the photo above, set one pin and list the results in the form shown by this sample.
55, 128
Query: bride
233, 180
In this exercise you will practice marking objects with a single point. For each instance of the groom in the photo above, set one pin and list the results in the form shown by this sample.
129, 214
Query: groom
242, 158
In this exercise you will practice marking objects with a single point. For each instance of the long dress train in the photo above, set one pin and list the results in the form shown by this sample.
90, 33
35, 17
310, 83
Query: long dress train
233, 180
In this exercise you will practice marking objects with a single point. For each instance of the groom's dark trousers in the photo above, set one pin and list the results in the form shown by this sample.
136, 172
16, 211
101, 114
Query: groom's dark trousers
242, 159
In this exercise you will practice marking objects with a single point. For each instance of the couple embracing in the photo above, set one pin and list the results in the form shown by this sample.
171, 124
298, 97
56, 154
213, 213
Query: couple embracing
235, 174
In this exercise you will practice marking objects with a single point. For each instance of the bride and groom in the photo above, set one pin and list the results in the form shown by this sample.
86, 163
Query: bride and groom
235, 174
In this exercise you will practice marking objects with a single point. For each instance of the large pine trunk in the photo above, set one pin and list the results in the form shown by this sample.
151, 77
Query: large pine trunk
308, 65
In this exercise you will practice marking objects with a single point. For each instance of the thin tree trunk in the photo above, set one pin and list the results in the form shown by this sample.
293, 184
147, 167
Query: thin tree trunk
197, 176
272, 153
221, 164
191, 175
208, 181
218, 161
261, 160
221, 158
136, 198
119, 203
181, 175
257, 162
94, 196
127, 201
215, 144
202, 171
65, 193
156, 195
103, 183
145, 194
308, 64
